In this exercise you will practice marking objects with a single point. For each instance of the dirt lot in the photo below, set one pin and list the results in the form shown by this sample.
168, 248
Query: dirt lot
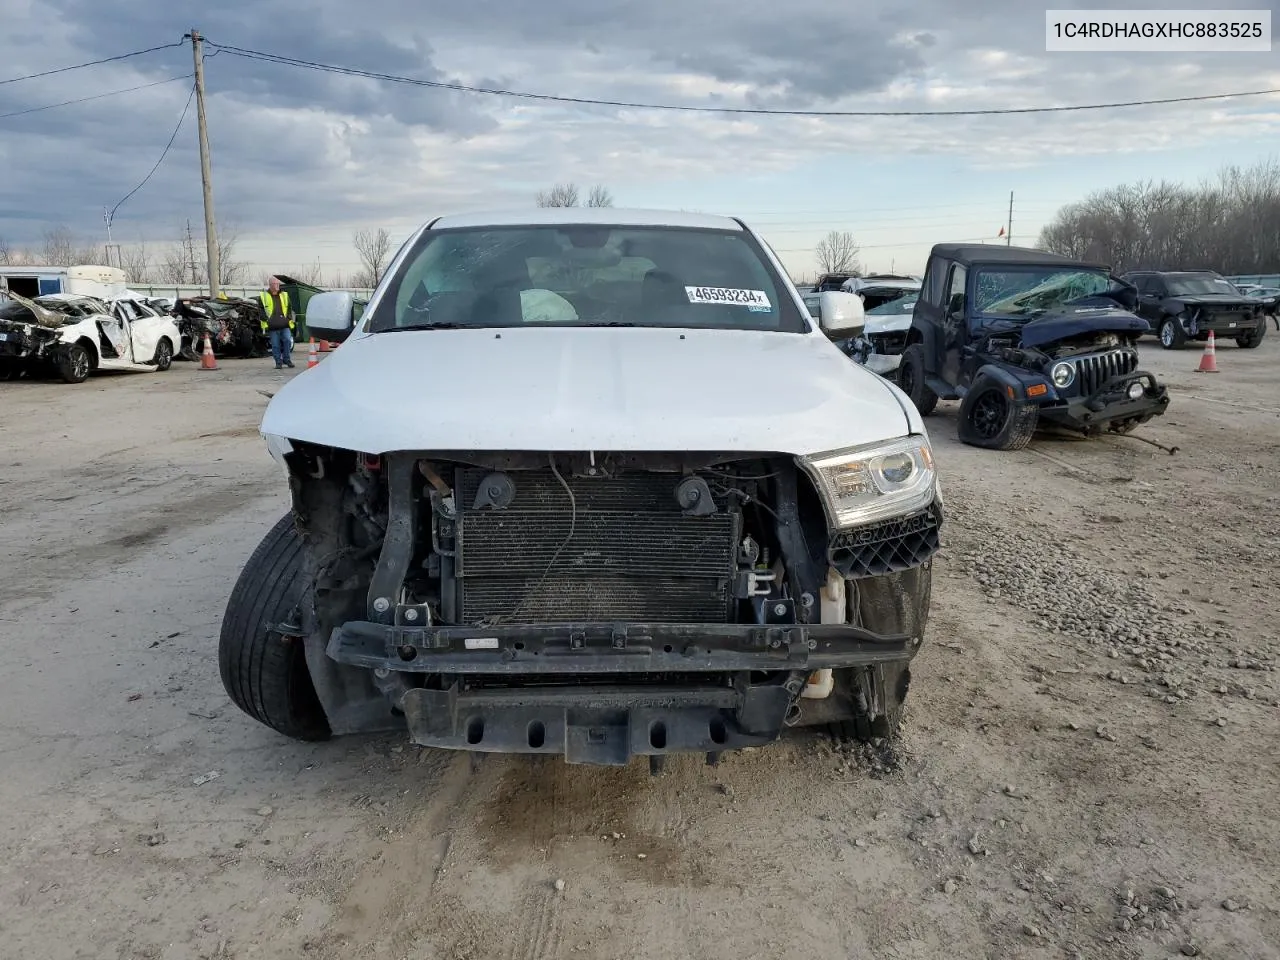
1089, 767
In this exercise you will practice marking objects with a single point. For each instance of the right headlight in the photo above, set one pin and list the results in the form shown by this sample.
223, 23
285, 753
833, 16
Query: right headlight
865, 484
1063, 374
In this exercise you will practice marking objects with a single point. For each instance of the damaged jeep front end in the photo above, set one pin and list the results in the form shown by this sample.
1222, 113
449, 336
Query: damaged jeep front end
602, 606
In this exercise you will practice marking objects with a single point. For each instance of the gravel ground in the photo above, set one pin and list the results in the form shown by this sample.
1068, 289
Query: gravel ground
1089, 766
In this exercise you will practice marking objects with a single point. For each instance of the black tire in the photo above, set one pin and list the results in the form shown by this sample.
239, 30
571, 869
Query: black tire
1251, 340
1171, 334
264, 670
164, 355
991, 419
911, 379
74, 363
894, 604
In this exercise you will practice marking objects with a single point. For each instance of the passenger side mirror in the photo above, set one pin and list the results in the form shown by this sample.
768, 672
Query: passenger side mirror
840, 314
331, 315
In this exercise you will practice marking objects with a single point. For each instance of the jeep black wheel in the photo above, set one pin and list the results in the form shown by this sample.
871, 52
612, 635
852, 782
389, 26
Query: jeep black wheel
73, 363
264, 669
1172, 336
1251, 340
911, 380
990, 418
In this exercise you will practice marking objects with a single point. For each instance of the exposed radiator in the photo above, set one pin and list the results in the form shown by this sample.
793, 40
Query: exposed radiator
633, 556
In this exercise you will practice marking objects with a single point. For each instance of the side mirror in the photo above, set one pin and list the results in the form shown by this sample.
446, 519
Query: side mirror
331, 315
840, 314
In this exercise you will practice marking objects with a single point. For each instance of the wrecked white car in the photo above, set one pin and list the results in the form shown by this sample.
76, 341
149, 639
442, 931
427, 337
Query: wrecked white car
73, 335
888, 302
884, 336
588, 483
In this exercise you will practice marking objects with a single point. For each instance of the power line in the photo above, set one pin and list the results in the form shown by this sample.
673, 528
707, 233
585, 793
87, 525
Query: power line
94, 63
111, 216
752, 111
96, 96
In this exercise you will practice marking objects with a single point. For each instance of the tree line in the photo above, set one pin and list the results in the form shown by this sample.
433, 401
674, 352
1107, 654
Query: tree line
1229, 223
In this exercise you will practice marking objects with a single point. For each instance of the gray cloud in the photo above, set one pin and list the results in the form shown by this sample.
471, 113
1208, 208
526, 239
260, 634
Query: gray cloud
299, 150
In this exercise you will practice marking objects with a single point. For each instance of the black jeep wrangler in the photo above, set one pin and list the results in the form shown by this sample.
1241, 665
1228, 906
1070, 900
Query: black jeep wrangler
1020, 336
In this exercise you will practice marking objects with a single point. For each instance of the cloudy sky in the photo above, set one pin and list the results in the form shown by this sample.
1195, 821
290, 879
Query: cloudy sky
302, 158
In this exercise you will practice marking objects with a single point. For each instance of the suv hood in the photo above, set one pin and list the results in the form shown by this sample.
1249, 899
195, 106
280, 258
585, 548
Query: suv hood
572, 389
1081, 318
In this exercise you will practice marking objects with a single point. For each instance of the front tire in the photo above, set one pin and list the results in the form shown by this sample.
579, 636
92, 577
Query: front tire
891, 604
911, 379
74, 363
991, 419
1251, 340
264, 670
1172, 336
164, 355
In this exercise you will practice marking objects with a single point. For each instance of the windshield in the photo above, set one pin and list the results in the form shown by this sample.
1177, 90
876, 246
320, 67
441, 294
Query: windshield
904, 304
1198, 286
1028, 291
586, 275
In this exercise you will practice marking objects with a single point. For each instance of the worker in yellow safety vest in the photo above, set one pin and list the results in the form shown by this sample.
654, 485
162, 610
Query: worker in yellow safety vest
278, 323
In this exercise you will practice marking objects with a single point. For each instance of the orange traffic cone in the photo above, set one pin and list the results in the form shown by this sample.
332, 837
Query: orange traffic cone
1209, 359
207, 360
324, 346
313, 357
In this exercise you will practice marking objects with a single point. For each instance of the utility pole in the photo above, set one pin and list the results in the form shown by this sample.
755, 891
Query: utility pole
1008, 233
210, 229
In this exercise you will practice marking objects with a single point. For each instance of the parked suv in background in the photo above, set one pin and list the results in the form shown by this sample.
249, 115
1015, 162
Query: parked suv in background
1186, 305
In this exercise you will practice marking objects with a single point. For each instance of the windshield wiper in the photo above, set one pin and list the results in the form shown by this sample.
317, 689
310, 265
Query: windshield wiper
428, 325
607, 323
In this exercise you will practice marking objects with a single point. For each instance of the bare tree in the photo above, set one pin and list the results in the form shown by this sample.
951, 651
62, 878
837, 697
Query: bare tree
561, 195
374, 250
135, 260
311, 273
230, 270
568, 195
1230, 224
58, 247
837, 252
7, 253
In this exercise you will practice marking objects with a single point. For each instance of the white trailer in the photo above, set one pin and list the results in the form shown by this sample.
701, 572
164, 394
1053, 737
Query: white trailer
87, 280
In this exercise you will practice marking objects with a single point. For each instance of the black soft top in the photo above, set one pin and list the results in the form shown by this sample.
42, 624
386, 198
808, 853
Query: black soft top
970, 253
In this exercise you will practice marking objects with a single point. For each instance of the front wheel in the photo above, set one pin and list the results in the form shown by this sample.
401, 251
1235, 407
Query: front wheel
911, 379
1251, 340
74, 364
164, 355
990, 418
892, 604
1172, 336
263, 668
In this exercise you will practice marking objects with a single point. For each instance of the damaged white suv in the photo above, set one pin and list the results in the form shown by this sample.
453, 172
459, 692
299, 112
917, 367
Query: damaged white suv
589, 483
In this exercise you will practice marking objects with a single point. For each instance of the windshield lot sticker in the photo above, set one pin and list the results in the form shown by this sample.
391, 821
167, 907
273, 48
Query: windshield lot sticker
727, 295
